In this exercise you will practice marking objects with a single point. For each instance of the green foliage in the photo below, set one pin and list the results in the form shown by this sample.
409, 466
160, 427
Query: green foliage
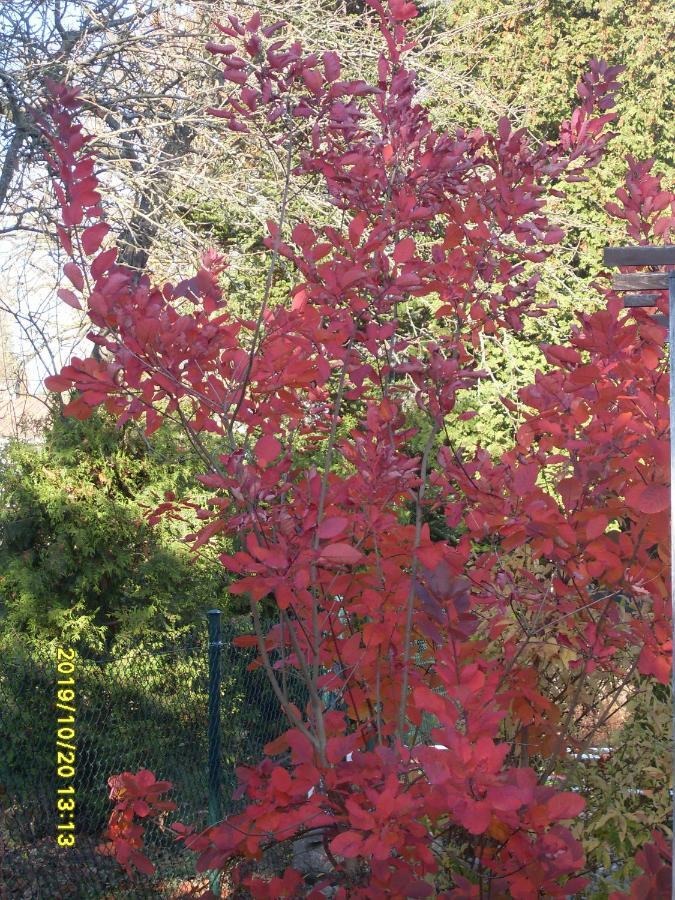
627, 790
239, 234
485, 59
78, 559
525, 60
478, 61
142, 708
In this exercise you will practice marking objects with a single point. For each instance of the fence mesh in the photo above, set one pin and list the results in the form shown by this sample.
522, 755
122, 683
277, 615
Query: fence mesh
141, 710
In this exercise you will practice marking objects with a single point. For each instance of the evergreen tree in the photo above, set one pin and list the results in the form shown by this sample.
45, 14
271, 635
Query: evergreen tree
77, 555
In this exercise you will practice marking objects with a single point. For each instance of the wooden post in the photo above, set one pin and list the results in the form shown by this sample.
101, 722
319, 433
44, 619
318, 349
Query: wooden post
627, 257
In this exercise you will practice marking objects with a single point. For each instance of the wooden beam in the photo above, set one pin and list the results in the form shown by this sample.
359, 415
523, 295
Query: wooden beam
639, 256
641, 299
641, 281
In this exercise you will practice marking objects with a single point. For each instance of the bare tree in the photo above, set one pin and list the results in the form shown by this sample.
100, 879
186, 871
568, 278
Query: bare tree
132, 62
137, 64
147, 83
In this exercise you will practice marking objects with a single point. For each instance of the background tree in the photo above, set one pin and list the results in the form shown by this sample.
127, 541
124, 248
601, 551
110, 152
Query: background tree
179, 181
148, 83
486, 60
79, 561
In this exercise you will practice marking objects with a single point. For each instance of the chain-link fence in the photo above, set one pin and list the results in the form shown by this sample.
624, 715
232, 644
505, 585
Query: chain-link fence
141, 710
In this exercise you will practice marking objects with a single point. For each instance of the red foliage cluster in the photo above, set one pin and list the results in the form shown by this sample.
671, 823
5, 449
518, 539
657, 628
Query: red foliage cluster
136, 798
656, 861
399, 627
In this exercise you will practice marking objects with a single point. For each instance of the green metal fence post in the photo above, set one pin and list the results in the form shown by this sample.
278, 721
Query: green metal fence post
215, 773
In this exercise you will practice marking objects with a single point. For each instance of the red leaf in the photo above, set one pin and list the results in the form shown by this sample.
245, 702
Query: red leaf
357, 227
454, 235
554, 236
69, 298
74, 275
245, 640
224, 49
313, 80
77, 408
64, 237
103, 262
153, 422
340, 554
596, 526
347, 844
145, 778
267, 449
72, 215
476, 818
428, 701
142, 808
565, 806
404, 250
658, 666
331, 66
524, 478
648, 498
285, 596
402, 11
303, 236
58, 383
142, 863
281, 780
93, 236
332, 527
